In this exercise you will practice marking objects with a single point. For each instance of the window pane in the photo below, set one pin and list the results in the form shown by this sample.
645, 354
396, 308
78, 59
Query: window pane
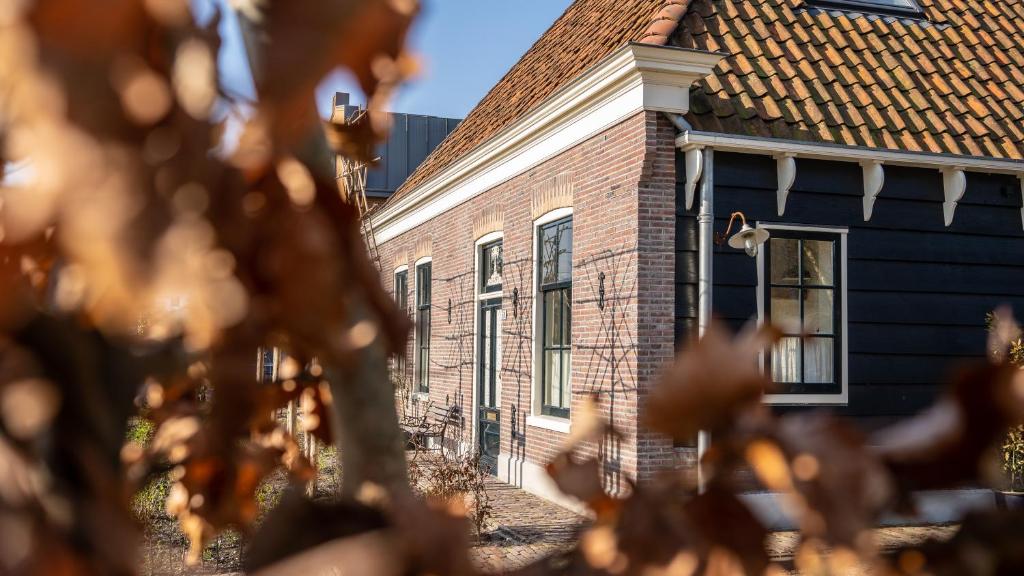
784, 265
552, 318
401, 289
786, 360
786, 309
485, 377
491, 266
818, 361
818, 309
423, 284
566, 363
565, 252
556, 252
817, 255
552, 377
566, 317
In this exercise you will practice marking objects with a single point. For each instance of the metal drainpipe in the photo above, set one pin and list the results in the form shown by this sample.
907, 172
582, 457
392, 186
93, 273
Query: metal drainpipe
705, 233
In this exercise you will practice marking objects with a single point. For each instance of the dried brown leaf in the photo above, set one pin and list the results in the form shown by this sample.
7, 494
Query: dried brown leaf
710, 383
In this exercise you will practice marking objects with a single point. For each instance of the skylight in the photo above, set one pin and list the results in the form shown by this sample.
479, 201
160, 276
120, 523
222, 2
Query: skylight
908, 7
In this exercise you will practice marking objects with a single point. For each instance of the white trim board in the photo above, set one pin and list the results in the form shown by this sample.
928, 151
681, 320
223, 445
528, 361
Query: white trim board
535, 418
843, 153
634, 78
843, 397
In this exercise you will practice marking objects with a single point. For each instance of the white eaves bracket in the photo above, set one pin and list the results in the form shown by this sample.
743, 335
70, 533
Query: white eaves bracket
874, 178
694, 161
1021, 177
954, 184
785, 168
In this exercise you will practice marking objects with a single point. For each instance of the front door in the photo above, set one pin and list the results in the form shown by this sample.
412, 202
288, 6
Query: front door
489, 355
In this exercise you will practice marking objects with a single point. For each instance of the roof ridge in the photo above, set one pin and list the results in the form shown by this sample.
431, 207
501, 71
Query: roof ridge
665, 22
662, 17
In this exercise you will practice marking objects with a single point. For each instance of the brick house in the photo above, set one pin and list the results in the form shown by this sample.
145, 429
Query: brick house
560, 241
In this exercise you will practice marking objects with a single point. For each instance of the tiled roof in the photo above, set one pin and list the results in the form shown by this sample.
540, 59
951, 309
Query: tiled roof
952, 83
588, 31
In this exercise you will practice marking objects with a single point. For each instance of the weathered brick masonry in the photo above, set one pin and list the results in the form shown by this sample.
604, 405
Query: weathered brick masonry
623, 200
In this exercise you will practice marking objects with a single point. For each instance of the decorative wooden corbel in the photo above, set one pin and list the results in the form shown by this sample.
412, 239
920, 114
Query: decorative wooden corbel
1021, 177
786, 173
954, 184
874, 178
694, 158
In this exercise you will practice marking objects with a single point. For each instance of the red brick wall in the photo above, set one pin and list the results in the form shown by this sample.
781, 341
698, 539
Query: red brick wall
623, 226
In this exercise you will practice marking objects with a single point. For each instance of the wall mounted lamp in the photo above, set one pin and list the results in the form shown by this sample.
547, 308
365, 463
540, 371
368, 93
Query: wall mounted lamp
747, 239
600, 291
515, 302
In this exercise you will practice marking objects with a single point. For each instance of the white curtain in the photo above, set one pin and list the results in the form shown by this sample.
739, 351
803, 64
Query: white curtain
786, 361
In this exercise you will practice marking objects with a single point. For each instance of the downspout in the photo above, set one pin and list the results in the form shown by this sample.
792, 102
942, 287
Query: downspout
705, 235
705, 239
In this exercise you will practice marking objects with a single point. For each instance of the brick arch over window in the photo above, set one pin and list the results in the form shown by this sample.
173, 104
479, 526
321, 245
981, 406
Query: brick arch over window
490, 220
552, 194
423, 249
401, 259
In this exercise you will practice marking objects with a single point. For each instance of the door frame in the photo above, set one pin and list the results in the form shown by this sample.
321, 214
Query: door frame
474, 441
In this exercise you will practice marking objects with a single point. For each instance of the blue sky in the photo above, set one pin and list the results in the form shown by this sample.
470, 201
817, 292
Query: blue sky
464, 46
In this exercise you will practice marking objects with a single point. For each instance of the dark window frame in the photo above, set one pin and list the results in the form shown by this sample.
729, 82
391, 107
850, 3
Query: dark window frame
835, 388
563, 290
868, 6
424, 277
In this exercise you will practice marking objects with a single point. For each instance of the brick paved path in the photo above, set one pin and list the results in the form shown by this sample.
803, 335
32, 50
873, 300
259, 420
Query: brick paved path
522, 528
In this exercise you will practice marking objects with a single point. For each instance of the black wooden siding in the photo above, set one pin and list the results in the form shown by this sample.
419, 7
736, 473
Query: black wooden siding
918, 291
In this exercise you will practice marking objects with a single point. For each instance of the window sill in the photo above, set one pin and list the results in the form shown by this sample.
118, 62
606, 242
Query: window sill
549, 423
806, 399
421, 397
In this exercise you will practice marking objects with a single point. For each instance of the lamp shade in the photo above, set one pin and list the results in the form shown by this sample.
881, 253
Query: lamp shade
749, 239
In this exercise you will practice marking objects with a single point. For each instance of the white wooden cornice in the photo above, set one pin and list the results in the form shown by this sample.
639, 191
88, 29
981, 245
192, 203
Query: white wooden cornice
632, 79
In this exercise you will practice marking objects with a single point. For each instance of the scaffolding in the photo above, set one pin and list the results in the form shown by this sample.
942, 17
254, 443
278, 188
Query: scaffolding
351, 174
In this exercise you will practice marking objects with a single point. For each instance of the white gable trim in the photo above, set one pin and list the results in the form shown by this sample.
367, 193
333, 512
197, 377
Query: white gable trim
634, 78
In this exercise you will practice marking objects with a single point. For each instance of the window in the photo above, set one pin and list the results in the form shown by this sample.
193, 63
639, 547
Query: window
802, 294
267, 364
402, 301
490, 267
555, 315
423, 327
899, 7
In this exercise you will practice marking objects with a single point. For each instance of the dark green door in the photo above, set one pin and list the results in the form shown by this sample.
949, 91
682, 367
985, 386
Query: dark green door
489, 354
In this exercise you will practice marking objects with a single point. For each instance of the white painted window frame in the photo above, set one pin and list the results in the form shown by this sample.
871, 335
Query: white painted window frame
535, 418
477, 298
843, 397
417, 395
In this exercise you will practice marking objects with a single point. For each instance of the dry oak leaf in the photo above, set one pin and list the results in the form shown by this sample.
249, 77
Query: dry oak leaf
951, 442
840, 488
712, 381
